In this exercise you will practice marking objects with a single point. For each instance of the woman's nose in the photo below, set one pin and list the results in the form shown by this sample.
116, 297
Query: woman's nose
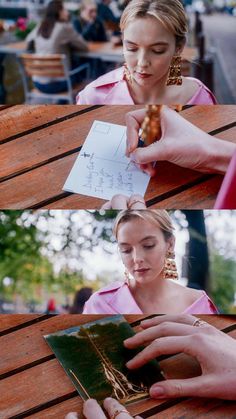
143, 60
137, 255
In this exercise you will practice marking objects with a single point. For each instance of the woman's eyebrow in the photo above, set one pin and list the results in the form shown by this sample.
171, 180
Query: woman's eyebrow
145, 238
126, 41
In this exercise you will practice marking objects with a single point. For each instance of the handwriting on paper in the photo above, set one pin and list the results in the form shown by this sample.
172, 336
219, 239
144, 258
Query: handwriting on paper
102, 169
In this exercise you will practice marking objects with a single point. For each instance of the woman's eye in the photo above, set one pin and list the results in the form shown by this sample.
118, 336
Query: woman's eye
158, 52
149, 246
126, 251
131, 49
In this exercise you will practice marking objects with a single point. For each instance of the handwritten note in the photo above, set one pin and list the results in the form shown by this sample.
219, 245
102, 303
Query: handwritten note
102, 169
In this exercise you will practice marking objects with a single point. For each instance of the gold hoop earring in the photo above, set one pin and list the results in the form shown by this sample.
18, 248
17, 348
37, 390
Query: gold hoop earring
174, 76
127, 74
170, 269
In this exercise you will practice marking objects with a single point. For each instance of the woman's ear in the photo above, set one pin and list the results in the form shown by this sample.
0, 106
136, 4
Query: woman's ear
180, 47
171, 244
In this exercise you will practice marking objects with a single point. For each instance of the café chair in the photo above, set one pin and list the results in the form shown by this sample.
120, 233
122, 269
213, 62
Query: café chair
55, 67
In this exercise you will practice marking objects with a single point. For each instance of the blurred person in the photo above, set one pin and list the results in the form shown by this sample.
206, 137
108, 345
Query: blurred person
105, 13
88, 24
55, 35
81, 296
154, 35
185, 145
214, 350
146, 244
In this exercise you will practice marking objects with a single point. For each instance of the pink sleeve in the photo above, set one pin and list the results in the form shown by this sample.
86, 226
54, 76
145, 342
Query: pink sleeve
97, 304
226, 198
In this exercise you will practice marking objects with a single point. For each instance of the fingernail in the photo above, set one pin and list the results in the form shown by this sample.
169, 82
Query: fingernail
157, 391
128, 364
132, 157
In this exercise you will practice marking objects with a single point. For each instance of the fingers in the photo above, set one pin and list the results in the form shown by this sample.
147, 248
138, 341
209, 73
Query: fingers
72, 415
133, 123
112, 406
148, 168
163, 330
197, 386
151, 153
117, 202
136, 202
175, 318
91, 410
162, 346
106, 206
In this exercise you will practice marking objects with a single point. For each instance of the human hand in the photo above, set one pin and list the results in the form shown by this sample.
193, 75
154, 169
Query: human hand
135, 201
214, 350
91, 410
181, 143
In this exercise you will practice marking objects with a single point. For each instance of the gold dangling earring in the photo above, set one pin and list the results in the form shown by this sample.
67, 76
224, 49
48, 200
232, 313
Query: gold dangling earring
127, 277
174, 77
170, 269
127, 74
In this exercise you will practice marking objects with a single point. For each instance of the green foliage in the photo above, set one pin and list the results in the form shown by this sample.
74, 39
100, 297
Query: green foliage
223, 275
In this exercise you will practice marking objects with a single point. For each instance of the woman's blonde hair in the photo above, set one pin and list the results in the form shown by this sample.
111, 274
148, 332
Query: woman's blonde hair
170, 13
159, 218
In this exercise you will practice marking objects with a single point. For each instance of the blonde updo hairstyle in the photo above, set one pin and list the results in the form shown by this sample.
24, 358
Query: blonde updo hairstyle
170, 13
158, 218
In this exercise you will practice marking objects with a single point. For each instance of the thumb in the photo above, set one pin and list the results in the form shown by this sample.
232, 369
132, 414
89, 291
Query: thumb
180, 388
149, 154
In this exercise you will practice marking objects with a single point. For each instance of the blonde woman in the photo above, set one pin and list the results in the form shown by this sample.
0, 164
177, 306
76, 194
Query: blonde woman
154, 36
146, 244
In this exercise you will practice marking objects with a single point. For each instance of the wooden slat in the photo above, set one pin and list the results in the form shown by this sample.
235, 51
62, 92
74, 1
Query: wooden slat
30, 343
18, 119
47, 143
15, 320
199, 409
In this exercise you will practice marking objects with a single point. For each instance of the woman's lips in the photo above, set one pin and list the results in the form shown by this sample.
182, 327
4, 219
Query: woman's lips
141, 270
143, 75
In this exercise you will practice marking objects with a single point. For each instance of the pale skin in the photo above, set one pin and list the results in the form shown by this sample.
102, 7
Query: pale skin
170, 334
143, 249
181, 143
148, 49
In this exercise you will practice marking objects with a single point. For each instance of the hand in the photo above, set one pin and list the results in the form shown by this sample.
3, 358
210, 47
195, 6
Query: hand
182, 143
214, 350
124, 202
91, 410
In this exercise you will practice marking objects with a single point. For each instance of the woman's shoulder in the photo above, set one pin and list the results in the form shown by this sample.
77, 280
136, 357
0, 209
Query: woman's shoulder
110, 88
200, 303
197, 93
99, 302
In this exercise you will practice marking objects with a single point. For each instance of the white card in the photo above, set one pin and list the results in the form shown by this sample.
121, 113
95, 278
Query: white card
102, 170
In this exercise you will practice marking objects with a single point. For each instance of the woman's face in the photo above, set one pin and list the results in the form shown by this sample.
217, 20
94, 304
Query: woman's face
148, 50
143, 249
64, 15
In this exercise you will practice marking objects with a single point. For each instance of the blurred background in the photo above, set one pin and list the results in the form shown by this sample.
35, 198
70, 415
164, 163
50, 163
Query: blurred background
51, 261
211, 43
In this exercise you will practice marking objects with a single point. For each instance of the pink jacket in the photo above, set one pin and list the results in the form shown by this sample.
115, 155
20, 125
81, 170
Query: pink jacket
227, 196
117, 298
112, 89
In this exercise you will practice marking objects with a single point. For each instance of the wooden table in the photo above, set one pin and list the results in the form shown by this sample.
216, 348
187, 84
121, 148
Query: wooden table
34, 385
39, 145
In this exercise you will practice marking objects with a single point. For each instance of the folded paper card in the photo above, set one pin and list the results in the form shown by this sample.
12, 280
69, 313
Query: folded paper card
102, 170
94, 357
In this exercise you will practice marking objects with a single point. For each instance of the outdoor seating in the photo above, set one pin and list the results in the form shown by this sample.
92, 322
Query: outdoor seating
54, 66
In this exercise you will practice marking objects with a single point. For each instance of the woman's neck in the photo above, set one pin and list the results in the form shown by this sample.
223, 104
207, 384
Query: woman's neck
148, 94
